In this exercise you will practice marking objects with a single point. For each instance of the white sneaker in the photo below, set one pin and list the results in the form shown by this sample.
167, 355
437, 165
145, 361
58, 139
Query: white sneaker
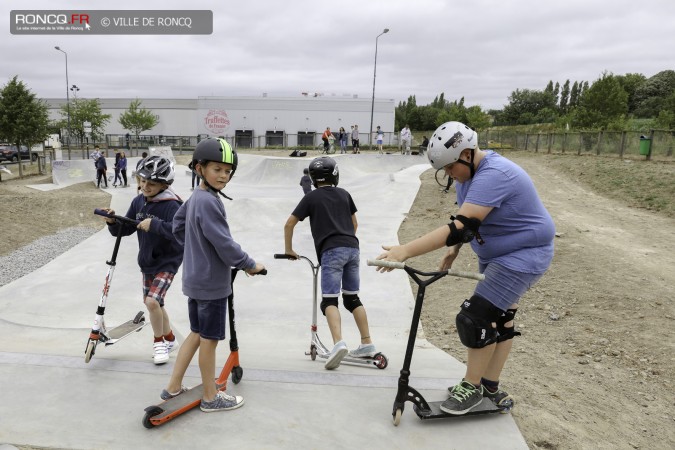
161, 353
336, 355
171, 345
364, 351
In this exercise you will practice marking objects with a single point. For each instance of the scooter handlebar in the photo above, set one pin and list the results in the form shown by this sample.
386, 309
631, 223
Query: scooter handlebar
283, 256
400, 265
124, 219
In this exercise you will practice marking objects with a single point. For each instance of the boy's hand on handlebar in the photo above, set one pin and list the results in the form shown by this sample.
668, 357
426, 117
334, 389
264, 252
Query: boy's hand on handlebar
108, 220
256, 270
449, 258
392, 253
293, 254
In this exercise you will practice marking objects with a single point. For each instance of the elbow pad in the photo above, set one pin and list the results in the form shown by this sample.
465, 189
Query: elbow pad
466, 234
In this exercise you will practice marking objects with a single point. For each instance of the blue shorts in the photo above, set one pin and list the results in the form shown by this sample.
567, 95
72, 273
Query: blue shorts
503, 287
379, 142
340, 271
207, 318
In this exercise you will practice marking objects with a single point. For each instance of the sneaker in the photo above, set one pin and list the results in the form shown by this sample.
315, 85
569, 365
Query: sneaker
171, 345
166, 395
161, 353
222, 402
463, 398
499, 398
336, 355
364, 351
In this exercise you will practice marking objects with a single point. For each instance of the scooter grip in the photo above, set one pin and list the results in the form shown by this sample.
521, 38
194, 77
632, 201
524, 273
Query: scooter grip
100, 212
283, 256
262, 272
125, 219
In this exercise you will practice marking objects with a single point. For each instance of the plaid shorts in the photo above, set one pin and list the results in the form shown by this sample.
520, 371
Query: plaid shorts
155, 286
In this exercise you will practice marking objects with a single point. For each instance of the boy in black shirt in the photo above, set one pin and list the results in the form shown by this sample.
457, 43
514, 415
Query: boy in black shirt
332, 219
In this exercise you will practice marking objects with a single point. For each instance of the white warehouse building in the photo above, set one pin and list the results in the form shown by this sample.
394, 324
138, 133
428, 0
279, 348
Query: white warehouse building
251, 121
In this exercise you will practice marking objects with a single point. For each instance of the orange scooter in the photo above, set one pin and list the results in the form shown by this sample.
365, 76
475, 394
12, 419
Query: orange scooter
169, 409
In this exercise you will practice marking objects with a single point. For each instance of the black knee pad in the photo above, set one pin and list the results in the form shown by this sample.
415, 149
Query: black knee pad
328, 301
506, 333
351, 302
474, 322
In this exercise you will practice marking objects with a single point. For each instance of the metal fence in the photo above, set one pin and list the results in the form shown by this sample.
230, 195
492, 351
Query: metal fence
658, 144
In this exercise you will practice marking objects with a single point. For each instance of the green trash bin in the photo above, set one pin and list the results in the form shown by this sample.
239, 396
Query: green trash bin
645, 145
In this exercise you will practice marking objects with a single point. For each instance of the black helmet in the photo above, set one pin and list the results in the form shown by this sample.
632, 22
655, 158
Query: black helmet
215, 149
156, 168
324, 169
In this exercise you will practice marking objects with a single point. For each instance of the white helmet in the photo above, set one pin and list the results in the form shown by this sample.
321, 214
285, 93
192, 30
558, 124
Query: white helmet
447, 143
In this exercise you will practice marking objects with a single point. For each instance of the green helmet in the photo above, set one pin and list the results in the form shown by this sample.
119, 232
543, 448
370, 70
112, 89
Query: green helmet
215, 149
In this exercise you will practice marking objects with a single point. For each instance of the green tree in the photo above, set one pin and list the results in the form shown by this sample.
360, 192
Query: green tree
666, 117
137, 119
476, 118
524, 105
564, 97
630, 82
650, 95
602, 104
83, 110
24, 119
574, 95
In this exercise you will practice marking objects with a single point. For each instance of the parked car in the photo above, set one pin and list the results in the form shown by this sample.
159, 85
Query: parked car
10, 153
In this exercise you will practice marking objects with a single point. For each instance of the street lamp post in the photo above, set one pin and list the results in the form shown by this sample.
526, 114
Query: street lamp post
67, 97
372, 104
75, 90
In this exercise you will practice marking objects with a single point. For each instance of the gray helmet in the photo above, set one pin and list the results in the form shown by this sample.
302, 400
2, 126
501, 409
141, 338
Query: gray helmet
157, 168
324, 169
448, 141
215, 149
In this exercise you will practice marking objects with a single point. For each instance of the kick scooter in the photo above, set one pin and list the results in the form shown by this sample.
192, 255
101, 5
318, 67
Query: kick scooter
406, 393
160, 414
99, 333
316, 347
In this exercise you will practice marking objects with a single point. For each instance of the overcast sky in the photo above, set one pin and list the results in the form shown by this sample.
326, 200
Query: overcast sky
480, 49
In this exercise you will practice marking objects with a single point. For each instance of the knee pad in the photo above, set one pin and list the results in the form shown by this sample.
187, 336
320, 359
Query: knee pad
351, 302
505, 333
326, 302
474, 322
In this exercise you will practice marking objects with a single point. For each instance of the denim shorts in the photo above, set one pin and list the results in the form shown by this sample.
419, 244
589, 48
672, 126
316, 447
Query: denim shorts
207, 317
503, 287
340, 269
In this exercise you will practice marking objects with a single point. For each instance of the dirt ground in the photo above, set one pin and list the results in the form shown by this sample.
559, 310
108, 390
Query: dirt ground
595, 365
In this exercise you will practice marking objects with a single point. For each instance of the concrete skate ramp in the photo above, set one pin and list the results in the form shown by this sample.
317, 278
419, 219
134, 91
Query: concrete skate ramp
162, 151
291, 401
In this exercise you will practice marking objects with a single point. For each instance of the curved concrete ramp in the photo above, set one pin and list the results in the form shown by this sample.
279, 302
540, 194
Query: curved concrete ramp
291, 401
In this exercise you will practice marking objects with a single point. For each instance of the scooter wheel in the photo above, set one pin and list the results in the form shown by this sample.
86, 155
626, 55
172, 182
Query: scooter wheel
237, 374
90, 350
312, 352
381, 361
397, 416
139, 317
150, 413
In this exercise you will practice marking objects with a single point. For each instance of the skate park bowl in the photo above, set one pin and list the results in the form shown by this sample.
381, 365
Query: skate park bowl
291, 401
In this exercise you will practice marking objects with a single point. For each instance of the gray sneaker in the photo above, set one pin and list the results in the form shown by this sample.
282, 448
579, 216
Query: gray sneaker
463, 398
166, 395
499, 398
336, 355
364, 351
222, 402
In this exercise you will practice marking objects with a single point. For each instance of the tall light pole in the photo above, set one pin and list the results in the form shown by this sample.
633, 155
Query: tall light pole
372, 103
67, 96
75, 90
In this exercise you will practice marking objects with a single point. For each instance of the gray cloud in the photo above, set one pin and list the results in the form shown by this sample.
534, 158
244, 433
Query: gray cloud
482, 50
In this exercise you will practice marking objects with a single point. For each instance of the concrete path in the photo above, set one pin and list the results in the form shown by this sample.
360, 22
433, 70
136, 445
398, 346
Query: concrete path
52, 398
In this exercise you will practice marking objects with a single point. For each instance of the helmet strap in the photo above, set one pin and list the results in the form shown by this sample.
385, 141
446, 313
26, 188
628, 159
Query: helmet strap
469, 163
206, 183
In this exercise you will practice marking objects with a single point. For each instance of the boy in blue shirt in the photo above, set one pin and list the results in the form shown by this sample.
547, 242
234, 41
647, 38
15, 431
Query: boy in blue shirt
510, 230
210, 253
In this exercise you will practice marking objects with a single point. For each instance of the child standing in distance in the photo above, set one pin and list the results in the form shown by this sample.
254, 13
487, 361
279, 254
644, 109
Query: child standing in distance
379, 138
210, 254
159, 254
306, 182
332, 218
117, 170
101, 169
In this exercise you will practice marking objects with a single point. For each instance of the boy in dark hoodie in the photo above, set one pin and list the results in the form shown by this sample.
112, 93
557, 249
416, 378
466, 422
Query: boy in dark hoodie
159, 255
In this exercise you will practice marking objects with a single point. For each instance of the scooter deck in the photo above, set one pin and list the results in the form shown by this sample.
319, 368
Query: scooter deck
123, 330
486, 407
168, 409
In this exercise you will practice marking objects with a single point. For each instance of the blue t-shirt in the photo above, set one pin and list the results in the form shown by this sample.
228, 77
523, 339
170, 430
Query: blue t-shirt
519, 231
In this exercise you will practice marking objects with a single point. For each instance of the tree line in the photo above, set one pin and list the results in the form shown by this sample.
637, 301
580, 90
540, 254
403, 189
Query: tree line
609, 103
